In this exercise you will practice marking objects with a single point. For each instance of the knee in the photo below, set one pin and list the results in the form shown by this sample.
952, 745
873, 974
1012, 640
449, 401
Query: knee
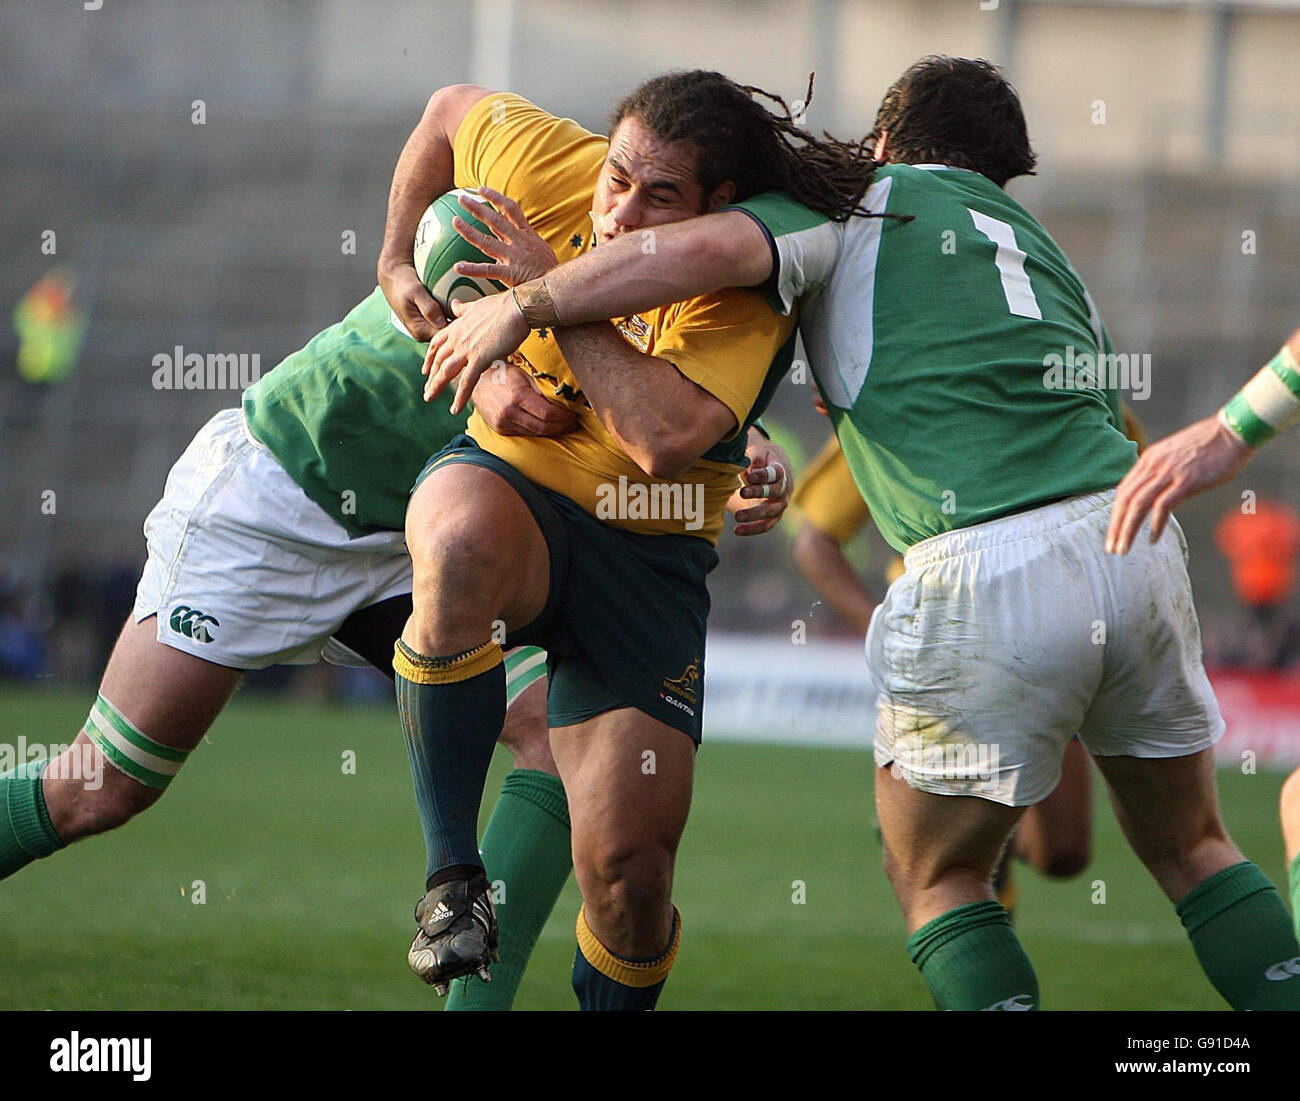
623, 885
449, 549
1066, 861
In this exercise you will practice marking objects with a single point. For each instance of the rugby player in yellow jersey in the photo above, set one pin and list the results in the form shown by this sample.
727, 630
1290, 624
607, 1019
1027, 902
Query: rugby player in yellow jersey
936, 424
595, 543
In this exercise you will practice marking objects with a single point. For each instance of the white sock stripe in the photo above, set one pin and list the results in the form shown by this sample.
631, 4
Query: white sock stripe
1271, 400
530, 662
141, 757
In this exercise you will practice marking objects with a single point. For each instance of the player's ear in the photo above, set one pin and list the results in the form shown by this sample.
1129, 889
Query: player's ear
723, 195
882, 140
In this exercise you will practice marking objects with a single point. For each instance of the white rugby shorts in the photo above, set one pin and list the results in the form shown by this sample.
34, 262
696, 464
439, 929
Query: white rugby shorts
1002, 641
245, 570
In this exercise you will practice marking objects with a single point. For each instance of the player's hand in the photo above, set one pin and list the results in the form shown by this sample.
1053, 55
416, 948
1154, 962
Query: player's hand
410, 299
482, 336
511, 405
520, 253
769, 479
1197, 458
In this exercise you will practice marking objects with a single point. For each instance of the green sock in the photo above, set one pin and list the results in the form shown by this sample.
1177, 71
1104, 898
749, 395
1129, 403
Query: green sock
1295, 893
527, 848
26, 833
1242, 935
971, 959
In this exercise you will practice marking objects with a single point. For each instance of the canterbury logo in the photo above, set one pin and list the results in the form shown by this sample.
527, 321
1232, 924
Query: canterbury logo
1012, 1004
192, 623
1280, 972
685, 684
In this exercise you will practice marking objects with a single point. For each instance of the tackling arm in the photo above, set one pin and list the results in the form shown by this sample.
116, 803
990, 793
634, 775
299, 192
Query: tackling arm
654, 267
661, 419
688, 259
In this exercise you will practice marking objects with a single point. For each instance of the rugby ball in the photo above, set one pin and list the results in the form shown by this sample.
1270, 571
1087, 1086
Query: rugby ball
438, 247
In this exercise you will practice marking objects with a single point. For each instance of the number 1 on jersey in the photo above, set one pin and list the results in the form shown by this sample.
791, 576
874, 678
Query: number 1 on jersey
1010, 260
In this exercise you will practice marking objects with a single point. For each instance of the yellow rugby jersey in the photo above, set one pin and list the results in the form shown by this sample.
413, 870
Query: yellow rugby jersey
731, 344
828, 497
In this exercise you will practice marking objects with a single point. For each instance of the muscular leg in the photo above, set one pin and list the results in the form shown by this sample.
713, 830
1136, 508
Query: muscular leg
477, 557
479, 561
169, 697
629, 779
524, 733
1169, 811
940, 852
1055, 836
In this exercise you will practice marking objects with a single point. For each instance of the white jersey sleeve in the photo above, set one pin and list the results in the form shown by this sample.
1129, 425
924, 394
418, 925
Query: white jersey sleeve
805, 247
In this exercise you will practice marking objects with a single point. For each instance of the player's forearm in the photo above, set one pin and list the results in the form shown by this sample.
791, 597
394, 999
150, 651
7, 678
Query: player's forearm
821, 560
1270, 402
425, 170
653, 267
659, 417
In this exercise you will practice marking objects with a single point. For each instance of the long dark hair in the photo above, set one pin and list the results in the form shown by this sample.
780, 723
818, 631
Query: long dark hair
960, 111
758, 150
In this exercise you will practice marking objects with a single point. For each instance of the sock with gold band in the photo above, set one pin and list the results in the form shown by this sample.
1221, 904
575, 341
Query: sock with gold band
606, 982
1268, 404
452, 709
26, 833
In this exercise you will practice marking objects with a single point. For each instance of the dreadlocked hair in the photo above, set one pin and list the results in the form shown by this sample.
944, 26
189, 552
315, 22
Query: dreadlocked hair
758, 150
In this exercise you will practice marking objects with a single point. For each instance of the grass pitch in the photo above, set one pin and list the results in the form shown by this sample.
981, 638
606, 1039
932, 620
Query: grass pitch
309, 876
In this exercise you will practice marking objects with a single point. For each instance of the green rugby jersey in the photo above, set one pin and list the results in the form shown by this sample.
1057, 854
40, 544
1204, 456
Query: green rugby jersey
345, 417
931, 341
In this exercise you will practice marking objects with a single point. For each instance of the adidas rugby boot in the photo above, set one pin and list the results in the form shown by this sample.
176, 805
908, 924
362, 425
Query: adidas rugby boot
458, 933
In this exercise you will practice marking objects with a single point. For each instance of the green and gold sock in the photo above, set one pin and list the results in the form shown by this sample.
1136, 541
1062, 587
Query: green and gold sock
1243, 937
971, 959
452, 709
526, 849
26, 833
608, 983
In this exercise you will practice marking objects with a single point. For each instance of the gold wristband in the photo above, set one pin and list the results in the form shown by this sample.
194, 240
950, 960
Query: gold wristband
534, 303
